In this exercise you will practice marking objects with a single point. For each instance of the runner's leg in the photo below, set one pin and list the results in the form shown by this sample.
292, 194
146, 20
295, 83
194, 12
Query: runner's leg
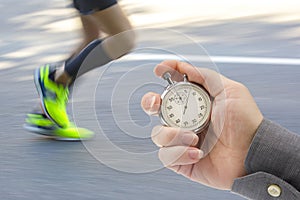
113, 22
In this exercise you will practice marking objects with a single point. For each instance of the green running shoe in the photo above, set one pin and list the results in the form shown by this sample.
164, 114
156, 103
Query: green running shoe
39, 123
54, 97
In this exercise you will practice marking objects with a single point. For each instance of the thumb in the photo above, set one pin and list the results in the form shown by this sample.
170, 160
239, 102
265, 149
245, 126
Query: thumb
151, 103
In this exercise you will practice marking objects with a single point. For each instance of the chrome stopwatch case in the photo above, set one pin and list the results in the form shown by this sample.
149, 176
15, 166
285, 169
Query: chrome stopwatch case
185, 105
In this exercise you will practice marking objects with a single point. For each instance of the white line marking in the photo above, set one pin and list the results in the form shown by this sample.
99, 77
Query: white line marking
216, 59
256, 60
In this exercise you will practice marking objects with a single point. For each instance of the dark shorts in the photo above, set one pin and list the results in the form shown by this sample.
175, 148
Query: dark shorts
87, 7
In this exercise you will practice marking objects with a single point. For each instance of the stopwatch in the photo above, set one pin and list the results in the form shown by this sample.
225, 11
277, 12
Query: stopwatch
185, 105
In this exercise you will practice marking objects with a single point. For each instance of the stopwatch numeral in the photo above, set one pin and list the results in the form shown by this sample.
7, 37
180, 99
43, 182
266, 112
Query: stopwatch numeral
194, 93
171, 99
200, 99
171, 115
194, 121
185, 91
177, 121
185, 123
202, 107
169, 107
200, 115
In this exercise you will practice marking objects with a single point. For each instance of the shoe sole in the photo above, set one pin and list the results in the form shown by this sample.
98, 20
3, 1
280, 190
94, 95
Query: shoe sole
38, 130
50, 134
68, 139
37, 82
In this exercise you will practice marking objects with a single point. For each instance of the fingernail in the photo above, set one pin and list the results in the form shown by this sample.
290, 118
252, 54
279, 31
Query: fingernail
150, 105
152, 102
195, 154
188, 139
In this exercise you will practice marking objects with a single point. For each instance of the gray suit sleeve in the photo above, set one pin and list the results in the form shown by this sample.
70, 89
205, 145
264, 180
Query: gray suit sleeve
272, 164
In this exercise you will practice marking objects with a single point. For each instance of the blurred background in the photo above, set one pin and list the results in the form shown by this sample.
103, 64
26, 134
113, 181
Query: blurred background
254, 42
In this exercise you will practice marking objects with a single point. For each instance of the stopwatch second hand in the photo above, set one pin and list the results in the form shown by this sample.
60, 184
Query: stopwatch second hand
186, 102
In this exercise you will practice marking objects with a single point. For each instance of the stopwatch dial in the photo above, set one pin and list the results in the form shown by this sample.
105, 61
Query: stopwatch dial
187, 106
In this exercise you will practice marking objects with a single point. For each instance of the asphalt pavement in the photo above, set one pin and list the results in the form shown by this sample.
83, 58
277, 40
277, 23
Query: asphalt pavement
108, 100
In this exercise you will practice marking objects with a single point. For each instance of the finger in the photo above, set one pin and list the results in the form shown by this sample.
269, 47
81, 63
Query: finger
212, 81
169, 136
179, 155
151, 103
173, 65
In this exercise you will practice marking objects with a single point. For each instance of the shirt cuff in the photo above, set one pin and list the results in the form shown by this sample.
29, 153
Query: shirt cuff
264, 186
273, 160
